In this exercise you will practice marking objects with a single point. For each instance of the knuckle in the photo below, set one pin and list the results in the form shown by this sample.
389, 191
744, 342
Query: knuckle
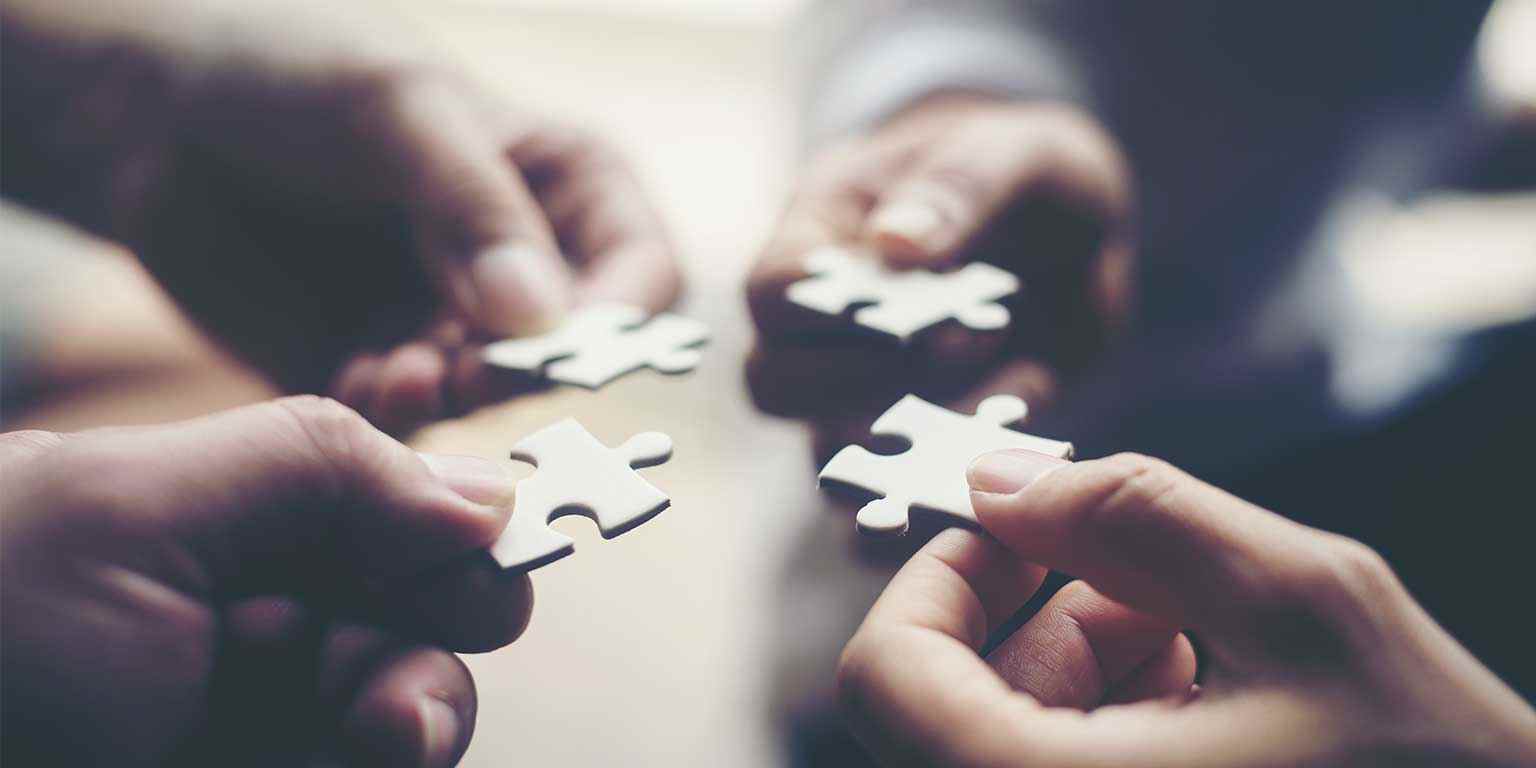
1346, 577
1327, 606
337, 432
322, 415
1134, 496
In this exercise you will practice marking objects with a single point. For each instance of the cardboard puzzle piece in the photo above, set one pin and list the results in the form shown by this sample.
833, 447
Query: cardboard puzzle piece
931, 474
576, 474
903, 302
603, 342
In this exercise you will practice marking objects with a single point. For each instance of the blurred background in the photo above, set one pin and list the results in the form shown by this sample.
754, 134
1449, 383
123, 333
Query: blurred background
708, 636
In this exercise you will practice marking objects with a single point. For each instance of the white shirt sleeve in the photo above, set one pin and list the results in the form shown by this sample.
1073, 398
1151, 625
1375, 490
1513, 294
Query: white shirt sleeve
865, 61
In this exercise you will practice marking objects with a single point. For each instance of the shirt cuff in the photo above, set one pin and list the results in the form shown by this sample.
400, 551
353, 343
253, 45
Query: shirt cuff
901, 59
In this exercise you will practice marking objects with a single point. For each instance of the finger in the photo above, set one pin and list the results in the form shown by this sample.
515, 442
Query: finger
480, 229
298, 496
260, 699
959, 584
1169, 675
915, 692
827, 209
1154, 538
415, 707
602, 218
356, 384
470, 383
949, 195
939, 608
409, 389
475, 605
1079, 647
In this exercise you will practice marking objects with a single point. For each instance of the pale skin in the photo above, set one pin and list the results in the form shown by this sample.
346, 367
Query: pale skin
333, 164
286, 582
1037, 188
280, 584
1314, 653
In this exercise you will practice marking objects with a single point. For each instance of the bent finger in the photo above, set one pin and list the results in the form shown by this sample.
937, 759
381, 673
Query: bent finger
396, 703
602, 218
1150, 536
952, 193
1079, 647
480, 230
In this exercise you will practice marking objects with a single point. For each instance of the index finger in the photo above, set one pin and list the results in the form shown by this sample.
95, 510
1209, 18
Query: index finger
938, 608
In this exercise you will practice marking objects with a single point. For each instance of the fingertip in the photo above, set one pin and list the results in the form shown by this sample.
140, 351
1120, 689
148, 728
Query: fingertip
409, 387
909, 233
1169, 674
476, 478
356, 385
520, 289
1003, 473
417, 709
642, 272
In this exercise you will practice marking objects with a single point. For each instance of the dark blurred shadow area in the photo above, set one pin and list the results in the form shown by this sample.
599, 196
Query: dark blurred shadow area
1337, 276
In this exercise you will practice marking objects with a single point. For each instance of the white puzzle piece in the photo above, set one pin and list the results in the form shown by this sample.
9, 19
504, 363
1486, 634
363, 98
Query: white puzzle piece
603, 342
903, 302
931, 474
576, 474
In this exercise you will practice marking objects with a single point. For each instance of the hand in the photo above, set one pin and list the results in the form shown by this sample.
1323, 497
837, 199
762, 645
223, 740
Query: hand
326, 195
1314, 653
271, 585
1036, 188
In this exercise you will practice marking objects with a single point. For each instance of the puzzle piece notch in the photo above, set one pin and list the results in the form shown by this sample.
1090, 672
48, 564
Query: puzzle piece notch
577, 474
930, 474
903, 302
602, 342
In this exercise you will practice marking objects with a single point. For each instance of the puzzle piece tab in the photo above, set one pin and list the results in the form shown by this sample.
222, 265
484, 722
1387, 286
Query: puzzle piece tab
931, 474
578, 475
903, 302
603, 342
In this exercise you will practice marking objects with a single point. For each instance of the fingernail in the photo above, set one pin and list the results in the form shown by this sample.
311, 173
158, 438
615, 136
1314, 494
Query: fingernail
520, 289
1009, 471
440, 732
910, 220
480, 480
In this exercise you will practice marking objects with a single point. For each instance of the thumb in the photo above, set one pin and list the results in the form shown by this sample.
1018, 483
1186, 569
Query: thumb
1158, 540
302, 497
955, 190
481, 231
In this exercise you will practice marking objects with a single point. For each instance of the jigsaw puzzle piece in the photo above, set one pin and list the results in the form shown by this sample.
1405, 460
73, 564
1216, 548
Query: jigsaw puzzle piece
664, 344
838, 279
532, 353
577, 474
902, 302
914, 300
851, 466
602, 342
930, 474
